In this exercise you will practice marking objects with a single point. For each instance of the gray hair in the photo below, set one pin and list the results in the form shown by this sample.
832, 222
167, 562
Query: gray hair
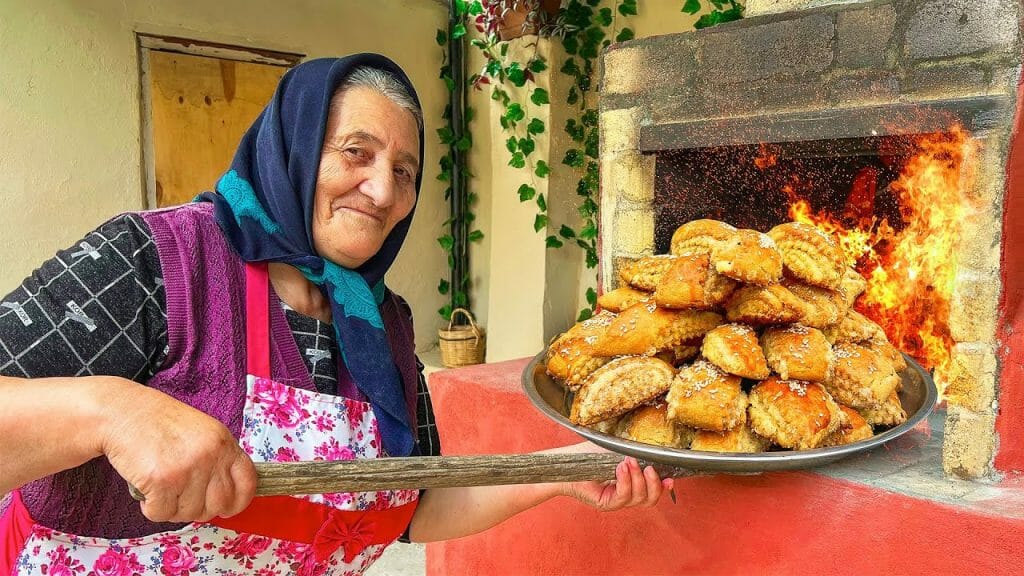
383, 82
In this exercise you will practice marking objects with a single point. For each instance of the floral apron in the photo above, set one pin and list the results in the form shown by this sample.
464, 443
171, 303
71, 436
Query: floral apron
316, 535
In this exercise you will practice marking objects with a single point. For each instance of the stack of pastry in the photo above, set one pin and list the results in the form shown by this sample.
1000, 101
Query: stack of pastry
736, 341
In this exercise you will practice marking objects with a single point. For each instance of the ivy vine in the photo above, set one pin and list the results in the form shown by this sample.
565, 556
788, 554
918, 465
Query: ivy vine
583, 27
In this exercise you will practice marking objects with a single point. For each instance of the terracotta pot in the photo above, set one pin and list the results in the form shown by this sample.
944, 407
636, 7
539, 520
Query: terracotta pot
512, 24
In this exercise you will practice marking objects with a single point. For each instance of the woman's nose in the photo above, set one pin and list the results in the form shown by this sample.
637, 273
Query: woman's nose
379, 185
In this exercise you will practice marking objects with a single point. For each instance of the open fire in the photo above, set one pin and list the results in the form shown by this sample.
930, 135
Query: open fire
909, 257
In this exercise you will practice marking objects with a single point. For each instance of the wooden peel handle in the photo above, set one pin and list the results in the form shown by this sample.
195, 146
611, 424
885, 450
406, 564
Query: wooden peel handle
419, 472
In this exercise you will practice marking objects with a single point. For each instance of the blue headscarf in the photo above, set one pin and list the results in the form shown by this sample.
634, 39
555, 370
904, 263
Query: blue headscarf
264, 205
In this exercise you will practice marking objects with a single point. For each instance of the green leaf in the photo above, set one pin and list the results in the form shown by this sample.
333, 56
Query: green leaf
591, 259
691, 6
464, 143
512, 144
516, 75
571, 44
589, 231
445, 311
459, 299
459, 31
443, 287
589, 118
504, 49
542, 203
540, 97
475, 8
527, 146
604, 17
574, 130
573, 158
445, 134
573, 96
553, 242
493, 68
442, 37
446, 242
537, 65
518, 160
539, 222
535, 127
542, 169
566, 232
570, 67
625, 34
515, 112
593, 2
585, 314
526, 192
627, 8
475, 236
591, 297
449, 83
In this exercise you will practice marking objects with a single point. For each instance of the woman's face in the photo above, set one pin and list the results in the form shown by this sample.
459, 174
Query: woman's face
367, 178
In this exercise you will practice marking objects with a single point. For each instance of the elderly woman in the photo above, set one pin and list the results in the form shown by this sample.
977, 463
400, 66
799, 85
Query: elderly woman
170, 349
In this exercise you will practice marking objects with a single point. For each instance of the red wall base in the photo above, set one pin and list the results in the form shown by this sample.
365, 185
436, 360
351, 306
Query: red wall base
786, 523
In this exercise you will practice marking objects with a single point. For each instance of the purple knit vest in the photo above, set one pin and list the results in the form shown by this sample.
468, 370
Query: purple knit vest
205, 367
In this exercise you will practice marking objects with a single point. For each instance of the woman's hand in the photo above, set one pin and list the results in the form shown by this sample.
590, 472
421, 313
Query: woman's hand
631, 487
187, 464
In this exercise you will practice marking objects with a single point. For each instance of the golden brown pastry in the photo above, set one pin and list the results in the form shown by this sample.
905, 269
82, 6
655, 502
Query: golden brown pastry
793, 414
854, 429
889, 413
862, 378
855, 328
704, 397
734, 349
692, 283
852, 285
679, 355
890, 353
571, 357
810, 254
621, 298
620, 386
644, 273
646, 329
761, 305
650, 425
822, 307
700, 236
612, 426
739, 439
797, 352
750, 257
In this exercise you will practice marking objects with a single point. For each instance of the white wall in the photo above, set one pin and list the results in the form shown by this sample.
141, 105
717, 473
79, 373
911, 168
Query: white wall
70, 151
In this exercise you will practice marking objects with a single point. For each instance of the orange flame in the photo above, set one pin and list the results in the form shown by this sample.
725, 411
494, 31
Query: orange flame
910, 265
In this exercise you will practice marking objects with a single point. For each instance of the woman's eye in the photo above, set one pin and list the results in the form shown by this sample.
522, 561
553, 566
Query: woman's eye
403, 173
356, 152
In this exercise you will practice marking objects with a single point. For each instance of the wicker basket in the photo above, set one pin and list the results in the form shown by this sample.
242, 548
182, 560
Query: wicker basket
462, 345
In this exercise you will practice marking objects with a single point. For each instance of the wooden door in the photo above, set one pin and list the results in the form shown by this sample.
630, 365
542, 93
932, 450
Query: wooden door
201, 106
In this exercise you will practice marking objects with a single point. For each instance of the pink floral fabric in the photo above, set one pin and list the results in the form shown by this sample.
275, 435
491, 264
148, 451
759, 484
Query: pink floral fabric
281, 424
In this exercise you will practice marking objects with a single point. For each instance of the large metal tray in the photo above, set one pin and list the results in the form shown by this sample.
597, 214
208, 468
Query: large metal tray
551, 398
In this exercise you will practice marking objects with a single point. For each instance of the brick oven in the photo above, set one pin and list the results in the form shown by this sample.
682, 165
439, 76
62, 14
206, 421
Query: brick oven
891, 123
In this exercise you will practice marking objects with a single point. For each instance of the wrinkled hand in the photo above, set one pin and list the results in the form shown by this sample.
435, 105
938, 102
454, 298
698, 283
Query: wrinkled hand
187, 464
631, 487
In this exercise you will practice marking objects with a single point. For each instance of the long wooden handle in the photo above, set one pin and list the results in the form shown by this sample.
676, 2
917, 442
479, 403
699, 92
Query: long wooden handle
294, 478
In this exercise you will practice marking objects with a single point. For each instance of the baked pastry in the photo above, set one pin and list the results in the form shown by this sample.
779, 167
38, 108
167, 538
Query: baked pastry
704, 397
854, 429
646, 329
700, 236
571, 358
644, 273
691, 282
620, 386
761, 305
852, 285
890, 353
810, 254
854, 327
889, 413
734, 349
793, 414
650, 425
822, 307
862, 378
750, 257
678, 355
621, 298
612, 426
797, 352
739, 439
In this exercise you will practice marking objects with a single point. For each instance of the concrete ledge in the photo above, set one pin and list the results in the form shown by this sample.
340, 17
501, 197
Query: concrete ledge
890, 511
